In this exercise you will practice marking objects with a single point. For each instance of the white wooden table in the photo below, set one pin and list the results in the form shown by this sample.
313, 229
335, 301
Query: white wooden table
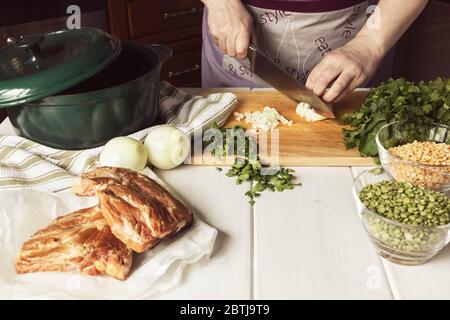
307, 243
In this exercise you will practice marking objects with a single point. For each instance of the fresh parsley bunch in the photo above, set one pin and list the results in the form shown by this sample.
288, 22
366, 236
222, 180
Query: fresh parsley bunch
397, 100
248, 168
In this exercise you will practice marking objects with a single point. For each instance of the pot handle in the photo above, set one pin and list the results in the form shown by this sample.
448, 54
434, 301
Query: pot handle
163, 52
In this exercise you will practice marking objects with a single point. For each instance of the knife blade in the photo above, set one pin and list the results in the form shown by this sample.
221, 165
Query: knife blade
270, 72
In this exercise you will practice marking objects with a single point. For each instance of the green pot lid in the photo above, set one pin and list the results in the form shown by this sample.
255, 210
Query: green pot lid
38, 66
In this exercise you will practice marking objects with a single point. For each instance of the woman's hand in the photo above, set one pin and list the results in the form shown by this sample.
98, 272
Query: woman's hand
356, 62
349, 67
230, 25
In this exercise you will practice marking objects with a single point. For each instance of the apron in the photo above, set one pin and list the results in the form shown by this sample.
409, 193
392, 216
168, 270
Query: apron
296, 41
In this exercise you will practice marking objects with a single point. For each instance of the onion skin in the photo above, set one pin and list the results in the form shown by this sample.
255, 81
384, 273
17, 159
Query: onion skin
124, 152
167, 147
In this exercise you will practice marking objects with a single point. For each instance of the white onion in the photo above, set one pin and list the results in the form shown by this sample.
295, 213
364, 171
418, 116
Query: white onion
167, 147
124, 152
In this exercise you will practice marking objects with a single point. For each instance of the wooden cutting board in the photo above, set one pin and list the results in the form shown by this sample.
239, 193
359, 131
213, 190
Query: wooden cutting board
304, 143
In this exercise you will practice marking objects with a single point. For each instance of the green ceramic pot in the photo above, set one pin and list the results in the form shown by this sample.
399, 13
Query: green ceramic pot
121, 99
77, 89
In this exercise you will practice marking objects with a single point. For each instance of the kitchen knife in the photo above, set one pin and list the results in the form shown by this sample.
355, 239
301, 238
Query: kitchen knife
270, 72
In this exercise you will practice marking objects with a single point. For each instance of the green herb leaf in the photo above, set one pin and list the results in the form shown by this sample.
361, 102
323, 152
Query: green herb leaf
422, 103
250, 170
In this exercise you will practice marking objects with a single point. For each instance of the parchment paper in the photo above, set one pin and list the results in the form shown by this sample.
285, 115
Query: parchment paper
24, 212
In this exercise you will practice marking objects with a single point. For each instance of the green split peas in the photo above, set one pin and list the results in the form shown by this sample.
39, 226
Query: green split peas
410, 205
403, 202
406, 239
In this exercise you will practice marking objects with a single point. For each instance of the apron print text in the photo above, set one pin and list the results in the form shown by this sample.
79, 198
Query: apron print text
293, 72
273, 16
322, 45
239, 70
245, 72
350, 28
297, 74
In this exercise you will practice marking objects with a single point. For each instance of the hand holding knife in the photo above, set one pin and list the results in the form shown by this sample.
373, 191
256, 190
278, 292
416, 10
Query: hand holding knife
266, 69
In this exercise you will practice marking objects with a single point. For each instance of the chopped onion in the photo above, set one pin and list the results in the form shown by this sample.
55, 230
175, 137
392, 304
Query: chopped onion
167, 146
124, 152
306, 111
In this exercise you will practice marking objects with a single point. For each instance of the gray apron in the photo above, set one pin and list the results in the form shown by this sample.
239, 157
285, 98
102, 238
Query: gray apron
296, 41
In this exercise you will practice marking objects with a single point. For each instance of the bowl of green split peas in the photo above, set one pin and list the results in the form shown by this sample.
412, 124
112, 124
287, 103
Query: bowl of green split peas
407, 223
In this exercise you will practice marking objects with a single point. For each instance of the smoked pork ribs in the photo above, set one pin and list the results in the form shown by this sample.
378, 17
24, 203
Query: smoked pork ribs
80, 241
139, 211
134, 213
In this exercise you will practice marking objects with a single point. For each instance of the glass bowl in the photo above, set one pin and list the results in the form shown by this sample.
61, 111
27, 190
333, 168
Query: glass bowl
398, 242
436, 177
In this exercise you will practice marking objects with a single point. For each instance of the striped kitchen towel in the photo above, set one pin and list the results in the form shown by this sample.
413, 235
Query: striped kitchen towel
30, 165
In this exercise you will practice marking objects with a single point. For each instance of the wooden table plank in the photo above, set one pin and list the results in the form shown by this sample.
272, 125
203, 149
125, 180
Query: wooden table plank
310, 244
428, 281
219, 202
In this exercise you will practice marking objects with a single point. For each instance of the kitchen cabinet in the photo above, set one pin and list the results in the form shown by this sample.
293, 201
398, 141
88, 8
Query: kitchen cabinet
16, 22
175, 23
